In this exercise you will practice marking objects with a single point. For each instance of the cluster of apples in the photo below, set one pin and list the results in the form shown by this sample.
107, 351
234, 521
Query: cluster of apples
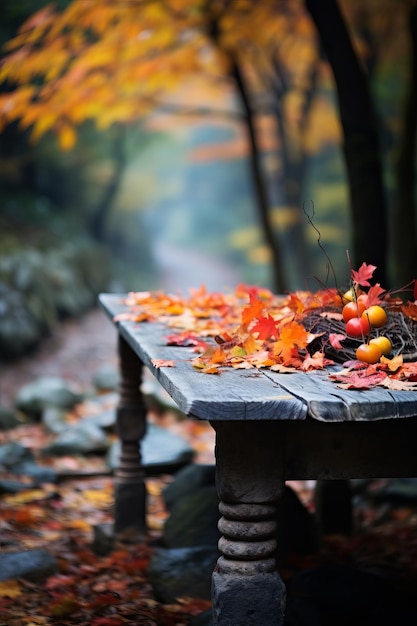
360, 320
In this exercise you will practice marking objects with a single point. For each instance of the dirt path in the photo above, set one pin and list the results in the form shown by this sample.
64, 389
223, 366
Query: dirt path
77, 349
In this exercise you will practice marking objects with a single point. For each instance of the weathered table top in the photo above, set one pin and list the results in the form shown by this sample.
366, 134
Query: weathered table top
256, 394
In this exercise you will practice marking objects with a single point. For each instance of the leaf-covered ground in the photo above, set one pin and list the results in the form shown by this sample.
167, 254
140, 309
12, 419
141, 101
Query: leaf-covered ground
93, 590
87, 589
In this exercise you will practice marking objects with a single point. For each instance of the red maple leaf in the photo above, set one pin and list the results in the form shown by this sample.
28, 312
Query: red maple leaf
162, 363
374, 295
363, 274
410, 310
186, 339
266, 327
359, 379
335, 339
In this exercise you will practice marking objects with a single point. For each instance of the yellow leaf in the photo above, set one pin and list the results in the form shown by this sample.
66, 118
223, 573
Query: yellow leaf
79, 524
67, 137
10, 589
99, 497
24, 497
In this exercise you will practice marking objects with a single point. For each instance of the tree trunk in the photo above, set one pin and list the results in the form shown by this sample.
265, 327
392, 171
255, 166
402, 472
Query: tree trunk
279, 280
292, 178
404, 221
361, 143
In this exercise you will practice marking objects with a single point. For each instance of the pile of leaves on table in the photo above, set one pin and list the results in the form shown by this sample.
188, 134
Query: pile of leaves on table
303, 331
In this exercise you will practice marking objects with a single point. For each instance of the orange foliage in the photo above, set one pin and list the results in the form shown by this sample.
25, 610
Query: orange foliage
113, 62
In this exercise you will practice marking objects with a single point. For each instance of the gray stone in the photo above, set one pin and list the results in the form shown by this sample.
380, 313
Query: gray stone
33, 398
34, 565
13, 454
20, 460
105, 419
8, 419
187, 480
12, 486
19, 330
182, 572
106, 378
54, 419
38, 473
193, 520
82, 438
162, 451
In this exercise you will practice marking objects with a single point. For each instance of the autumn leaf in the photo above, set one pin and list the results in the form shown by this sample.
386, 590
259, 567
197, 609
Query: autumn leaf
392, 364
205, 367
253, 310
283, 369
10, 589
251, 345
316, 362
359, 379
162, 363
292, 336
362, 276
410, 310
374, 295
399, 385
185, 339
218, 356
335, 339
266, 327
407, 371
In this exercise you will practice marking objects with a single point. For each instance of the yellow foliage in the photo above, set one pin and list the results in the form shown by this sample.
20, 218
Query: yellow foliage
10, 589
67, 137
244, 237
284, 216
113, 61
259, 255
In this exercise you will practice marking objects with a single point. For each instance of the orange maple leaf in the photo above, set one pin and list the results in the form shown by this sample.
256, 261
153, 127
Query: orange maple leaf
316, 362
253, 310
292, 336
218, 356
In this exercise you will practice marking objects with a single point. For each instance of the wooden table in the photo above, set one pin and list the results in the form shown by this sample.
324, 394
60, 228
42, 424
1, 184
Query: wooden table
270, 428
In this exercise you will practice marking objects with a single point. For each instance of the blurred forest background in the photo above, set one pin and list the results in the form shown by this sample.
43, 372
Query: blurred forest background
169, 144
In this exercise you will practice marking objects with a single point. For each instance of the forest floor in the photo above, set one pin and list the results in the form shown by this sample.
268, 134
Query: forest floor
113, 590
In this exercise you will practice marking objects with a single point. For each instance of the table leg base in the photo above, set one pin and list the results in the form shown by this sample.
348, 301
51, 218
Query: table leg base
241, 600
130, 509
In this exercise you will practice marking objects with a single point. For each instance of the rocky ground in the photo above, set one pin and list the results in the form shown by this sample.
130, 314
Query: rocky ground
76, 350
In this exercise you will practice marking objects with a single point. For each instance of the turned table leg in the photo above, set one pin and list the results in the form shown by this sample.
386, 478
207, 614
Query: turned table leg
130, 490
246, 587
